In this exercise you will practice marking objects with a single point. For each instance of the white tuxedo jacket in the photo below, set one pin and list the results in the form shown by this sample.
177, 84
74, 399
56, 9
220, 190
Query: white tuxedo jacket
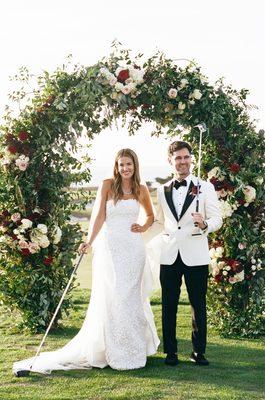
176, 232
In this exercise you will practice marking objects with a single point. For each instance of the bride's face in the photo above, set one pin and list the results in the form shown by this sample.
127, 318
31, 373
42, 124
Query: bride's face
125, 167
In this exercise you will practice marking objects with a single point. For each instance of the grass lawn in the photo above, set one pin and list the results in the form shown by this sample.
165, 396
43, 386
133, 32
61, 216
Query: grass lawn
235, 372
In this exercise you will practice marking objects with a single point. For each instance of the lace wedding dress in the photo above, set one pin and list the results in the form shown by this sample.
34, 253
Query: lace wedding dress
119, 328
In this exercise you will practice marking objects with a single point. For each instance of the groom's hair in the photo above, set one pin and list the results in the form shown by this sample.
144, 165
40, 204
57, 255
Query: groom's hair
178, 145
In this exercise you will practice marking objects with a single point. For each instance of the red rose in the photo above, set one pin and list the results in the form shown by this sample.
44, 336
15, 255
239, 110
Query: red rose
218, 278
23, 135
25, 252
48, 260
235, 168
12, 149
123, 75
241, 201
213, 180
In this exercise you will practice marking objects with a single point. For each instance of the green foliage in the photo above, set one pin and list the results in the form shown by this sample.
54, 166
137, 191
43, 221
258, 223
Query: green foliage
39, 163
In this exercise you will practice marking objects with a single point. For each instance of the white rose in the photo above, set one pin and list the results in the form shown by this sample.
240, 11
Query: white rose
104, 71
259, 180
112, 80
214, 172
226, 209
250, 193
172, 93
225, 273
129, 80
219, 252
196, 94
212, 252
253, 267
183, 83
137, 75
181, 106
44, 241
126, 89
119, 86
192, 102
57, 234
42, 228
26, 223
240, 276
221, 265
22, 162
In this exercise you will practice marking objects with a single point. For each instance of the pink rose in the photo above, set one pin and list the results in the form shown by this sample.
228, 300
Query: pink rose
23, 244
33, 248
16, 217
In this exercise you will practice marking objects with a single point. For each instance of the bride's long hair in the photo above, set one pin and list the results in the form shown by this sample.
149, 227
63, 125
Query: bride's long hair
117, 180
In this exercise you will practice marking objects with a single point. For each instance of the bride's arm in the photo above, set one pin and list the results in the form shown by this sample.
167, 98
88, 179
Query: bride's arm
100, 216
146, 203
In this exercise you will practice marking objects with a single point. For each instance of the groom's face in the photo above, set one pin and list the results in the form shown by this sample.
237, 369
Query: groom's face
181, 162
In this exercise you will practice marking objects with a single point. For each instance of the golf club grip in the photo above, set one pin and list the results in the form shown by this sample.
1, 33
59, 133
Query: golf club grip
57, 309
197, 210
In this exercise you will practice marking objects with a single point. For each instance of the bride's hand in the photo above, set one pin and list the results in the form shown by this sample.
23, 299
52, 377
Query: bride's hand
137, 228
83, 248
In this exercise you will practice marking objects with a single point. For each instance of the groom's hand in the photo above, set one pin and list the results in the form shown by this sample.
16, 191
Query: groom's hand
198, 219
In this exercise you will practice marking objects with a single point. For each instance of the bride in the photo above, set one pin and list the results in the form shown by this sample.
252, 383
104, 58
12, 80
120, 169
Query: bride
119, 328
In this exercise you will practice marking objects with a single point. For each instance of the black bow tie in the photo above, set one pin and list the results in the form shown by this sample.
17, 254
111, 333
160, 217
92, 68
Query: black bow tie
177, 184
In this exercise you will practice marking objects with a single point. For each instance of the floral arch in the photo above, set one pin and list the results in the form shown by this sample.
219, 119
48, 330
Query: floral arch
37, 242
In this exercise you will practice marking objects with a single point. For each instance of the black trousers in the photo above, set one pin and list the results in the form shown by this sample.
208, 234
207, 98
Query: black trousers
196, 282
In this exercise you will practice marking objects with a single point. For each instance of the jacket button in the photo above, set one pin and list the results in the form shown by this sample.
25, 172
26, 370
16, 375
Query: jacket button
179, 227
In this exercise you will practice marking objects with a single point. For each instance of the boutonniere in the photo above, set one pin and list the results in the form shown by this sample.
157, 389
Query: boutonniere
194, 191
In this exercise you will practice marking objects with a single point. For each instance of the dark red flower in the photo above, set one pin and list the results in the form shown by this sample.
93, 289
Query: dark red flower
145, 106
241, 201
214, 180
14, 237
123, 75
194, 190
23, 135
12, 149
235, 168
218, 278
5, 213
25, 252
48, 260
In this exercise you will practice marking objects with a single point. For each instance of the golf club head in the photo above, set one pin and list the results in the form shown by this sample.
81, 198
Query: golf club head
21, 373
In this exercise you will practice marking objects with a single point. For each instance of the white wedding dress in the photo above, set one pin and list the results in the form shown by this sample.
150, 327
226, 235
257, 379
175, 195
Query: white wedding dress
119, 328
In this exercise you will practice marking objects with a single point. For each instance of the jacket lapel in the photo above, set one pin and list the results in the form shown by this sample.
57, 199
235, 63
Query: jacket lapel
168, 195
188, 200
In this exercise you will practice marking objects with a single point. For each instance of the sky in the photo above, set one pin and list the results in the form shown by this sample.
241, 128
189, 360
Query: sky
226, 38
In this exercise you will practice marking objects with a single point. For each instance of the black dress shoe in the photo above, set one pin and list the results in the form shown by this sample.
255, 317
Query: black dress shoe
172, 359
199, 359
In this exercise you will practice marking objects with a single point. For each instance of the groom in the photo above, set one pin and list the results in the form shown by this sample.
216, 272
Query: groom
183, 254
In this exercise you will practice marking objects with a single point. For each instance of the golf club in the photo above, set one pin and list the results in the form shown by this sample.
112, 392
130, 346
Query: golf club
26, 372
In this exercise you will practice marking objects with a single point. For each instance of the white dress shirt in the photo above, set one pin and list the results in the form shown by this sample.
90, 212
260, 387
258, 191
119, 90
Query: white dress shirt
179, 195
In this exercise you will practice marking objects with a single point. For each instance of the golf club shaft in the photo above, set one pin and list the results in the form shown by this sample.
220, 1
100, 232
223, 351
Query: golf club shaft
57, 309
